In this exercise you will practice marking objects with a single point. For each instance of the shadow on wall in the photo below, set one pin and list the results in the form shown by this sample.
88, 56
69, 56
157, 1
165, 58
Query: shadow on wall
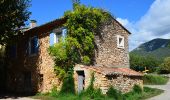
23, 74
2, 69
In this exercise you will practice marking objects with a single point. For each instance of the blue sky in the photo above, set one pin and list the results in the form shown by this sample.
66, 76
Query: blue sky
136, 15
47, 10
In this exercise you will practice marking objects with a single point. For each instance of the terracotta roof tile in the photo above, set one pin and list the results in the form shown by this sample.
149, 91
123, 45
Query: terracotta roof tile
114, 71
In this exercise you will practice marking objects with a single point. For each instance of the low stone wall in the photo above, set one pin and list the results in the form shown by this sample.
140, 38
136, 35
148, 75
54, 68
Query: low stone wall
123, 83
120, 82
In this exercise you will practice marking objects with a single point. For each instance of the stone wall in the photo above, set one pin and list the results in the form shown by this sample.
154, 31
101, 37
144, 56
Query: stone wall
40, 65
123, 83
107, 52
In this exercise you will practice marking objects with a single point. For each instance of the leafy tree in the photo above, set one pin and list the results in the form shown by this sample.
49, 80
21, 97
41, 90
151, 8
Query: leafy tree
82, 24
13, 14
75, 3
139, 63
166, 64
78, 46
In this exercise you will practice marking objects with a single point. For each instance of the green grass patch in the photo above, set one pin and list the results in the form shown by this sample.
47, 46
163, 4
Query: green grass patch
136, 94
155, 80
147, 93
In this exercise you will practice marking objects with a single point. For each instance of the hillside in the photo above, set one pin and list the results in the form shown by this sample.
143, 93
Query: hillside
159, 48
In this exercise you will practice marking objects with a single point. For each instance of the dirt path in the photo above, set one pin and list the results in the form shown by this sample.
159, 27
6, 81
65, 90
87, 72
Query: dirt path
163, 96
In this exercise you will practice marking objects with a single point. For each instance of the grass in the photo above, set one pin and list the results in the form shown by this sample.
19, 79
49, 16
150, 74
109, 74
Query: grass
134, 95
147, 93
155, 80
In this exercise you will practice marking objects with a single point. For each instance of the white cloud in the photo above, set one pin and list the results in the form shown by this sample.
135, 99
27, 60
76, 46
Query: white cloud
124, 22
154, 24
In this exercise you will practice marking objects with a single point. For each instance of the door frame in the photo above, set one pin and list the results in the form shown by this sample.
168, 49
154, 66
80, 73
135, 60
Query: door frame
80, 80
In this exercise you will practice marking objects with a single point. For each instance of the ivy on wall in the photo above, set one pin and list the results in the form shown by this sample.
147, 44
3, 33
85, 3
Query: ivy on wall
78, 47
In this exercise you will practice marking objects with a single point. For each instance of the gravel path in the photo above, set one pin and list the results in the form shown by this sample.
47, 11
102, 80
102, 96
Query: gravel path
163, 96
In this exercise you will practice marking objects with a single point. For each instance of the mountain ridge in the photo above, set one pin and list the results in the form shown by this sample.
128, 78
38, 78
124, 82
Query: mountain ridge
158, 48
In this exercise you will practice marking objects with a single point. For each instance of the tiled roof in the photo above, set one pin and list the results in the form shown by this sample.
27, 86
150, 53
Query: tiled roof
56, 23
47, 26
114, 71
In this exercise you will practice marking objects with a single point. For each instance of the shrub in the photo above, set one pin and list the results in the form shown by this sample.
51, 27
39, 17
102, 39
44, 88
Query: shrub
113, 93
68, 84
60, 72
155, 79
166, 65
139, 63
54, 92
86, 60
137, 89
91, 91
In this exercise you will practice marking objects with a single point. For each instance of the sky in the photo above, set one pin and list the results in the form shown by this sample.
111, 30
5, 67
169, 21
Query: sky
145, 19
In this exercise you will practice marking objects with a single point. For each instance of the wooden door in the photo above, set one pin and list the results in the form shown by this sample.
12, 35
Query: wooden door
81, 79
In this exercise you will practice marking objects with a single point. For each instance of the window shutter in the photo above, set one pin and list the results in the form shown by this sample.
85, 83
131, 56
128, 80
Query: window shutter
52, 39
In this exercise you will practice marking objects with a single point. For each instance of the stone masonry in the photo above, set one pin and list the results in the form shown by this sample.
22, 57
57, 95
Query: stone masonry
103, 80
107, 52
35, 73
40, 65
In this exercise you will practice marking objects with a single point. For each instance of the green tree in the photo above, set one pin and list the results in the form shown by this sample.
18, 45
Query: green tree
139, 63
166, 64
78, 46
13, 14
75, 2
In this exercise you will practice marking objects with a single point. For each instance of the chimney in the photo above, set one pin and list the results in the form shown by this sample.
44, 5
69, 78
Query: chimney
33, 23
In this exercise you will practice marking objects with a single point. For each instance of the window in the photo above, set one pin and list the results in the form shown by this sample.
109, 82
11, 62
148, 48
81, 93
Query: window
33, 45
56, 36
13, 51
120, 41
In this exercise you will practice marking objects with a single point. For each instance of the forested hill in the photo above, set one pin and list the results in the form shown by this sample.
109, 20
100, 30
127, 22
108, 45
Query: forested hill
158, 48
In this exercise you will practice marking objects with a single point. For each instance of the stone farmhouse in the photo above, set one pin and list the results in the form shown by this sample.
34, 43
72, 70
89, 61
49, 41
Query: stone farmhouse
31, 68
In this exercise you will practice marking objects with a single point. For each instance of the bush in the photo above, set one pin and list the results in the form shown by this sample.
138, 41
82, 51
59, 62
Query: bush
166, 65
86, 60
113, 93
54, 92
155, 79
60, 72
68, 84
137, 89
139, 63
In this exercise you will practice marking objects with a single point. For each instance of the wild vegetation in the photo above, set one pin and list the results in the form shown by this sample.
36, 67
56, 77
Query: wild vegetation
155, 80
93, 93
153, 65
165, 66
139, 63
112, 94
78, 46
